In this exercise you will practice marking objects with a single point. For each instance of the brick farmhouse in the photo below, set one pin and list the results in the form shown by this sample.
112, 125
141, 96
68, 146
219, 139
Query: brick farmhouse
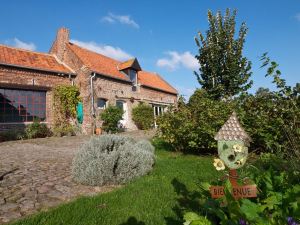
27, 79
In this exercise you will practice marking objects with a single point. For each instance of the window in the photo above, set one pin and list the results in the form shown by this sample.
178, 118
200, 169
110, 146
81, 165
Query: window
132, 76
158, 110
101, 103
120, 104
22, 105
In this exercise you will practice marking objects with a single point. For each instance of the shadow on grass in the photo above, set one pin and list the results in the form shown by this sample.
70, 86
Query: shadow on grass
133, 221
160, 144
186, 201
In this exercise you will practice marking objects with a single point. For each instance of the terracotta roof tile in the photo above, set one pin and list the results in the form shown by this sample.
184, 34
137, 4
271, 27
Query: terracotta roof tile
131, 63
155, 81
98, 63
111, 67
29, 59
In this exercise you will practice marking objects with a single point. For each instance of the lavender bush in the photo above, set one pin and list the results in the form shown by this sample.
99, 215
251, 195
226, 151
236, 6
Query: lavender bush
112, 159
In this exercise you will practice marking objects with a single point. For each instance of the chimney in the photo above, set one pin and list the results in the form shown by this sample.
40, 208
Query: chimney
59, 46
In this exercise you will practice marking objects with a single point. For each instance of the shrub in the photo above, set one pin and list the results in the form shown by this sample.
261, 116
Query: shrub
12, 135
64, 130
192, 126
143, 116
111, 117
111, 159
174, 128
37, 130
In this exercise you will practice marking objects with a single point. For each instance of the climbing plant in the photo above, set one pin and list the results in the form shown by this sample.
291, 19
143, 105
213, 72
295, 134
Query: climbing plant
65, 101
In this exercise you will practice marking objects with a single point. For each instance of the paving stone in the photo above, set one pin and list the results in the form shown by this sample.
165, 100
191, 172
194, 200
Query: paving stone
43, 189
9, 216
44, 177
56, 195
9, 207
27, 206
14, 197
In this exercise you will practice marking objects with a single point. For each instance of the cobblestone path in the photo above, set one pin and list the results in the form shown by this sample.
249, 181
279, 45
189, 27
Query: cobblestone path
39, 174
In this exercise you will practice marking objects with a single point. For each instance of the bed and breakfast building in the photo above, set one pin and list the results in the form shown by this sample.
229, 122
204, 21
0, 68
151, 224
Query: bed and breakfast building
27, 79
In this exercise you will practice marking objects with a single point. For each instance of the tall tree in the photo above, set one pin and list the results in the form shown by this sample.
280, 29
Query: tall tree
224, 72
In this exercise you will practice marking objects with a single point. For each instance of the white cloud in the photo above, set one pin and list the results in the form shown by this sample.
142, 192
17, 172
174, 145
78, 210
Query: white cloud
123, 19
21, 44
185, 91
175, 60
107, 50
297, 17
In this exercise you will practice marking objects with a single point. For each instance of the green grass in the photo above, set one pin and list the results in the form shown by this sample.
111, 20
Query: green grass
154, 199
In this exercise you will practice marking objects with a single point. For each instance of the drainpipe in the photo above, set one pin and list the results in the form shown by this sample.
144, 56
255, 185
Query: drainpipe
92, 93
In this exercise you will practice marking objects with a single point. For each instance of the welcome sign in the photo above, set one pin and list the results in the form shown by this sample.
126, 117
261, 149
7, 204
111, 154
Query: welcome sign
233, 143
246, 191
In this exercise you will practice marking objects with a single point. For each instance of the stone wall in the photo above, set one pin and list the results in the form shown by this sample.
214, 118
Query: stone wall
153, 95
113, 90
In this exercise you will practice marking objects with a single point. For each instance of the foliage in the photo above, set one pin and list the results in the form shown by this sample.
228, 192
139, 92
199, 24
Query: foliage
145, 145
11, 135
111, 159
192, 126
278, 197
175, 127
290, 111
64, 130
272, 118
194, 219
65, 101
111, 117
143, 116
37, 130
224, 72
33, 130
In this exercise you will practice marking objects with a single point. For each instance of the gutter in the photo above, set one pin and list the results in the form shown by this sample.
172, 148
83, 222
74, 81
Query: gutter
113, 78
92, 94
37, 69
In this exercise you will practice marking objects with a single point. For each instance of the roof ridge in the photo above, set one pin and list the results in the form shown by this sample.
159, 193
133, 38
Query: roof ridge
117, 61
25, 50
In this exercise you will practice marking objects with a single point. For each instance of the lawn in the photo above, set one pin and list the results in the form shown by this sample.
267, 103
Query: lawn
154, 199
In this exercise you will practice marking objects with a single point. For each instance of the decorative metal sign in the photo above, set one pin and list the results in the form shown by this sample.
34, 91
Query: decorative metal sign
233, 143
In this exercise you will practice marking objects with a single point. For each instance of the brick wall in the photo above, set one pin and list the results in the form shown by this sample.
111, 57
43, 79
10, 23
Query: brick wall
33, 80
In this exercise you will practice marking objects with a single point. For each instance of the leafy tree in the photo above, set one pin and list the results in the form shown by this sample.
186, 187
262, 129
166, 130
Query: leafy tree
224, 72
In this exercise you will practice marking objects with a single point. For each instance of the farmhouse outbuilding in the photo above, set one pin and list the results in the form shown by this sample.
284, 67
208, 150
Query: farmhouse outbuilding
27, 79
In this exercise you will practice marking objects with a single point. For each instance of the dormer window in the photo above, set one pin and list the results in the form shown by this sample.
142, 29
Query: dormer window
131, 67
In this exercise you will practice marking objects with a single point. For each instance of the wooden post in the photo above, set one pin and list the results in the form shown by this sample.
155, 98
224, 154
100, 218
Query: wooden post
233, 176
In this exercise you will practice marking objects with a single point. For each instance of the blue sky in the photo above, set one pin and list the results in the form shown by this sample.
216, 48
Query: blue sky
159, 33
